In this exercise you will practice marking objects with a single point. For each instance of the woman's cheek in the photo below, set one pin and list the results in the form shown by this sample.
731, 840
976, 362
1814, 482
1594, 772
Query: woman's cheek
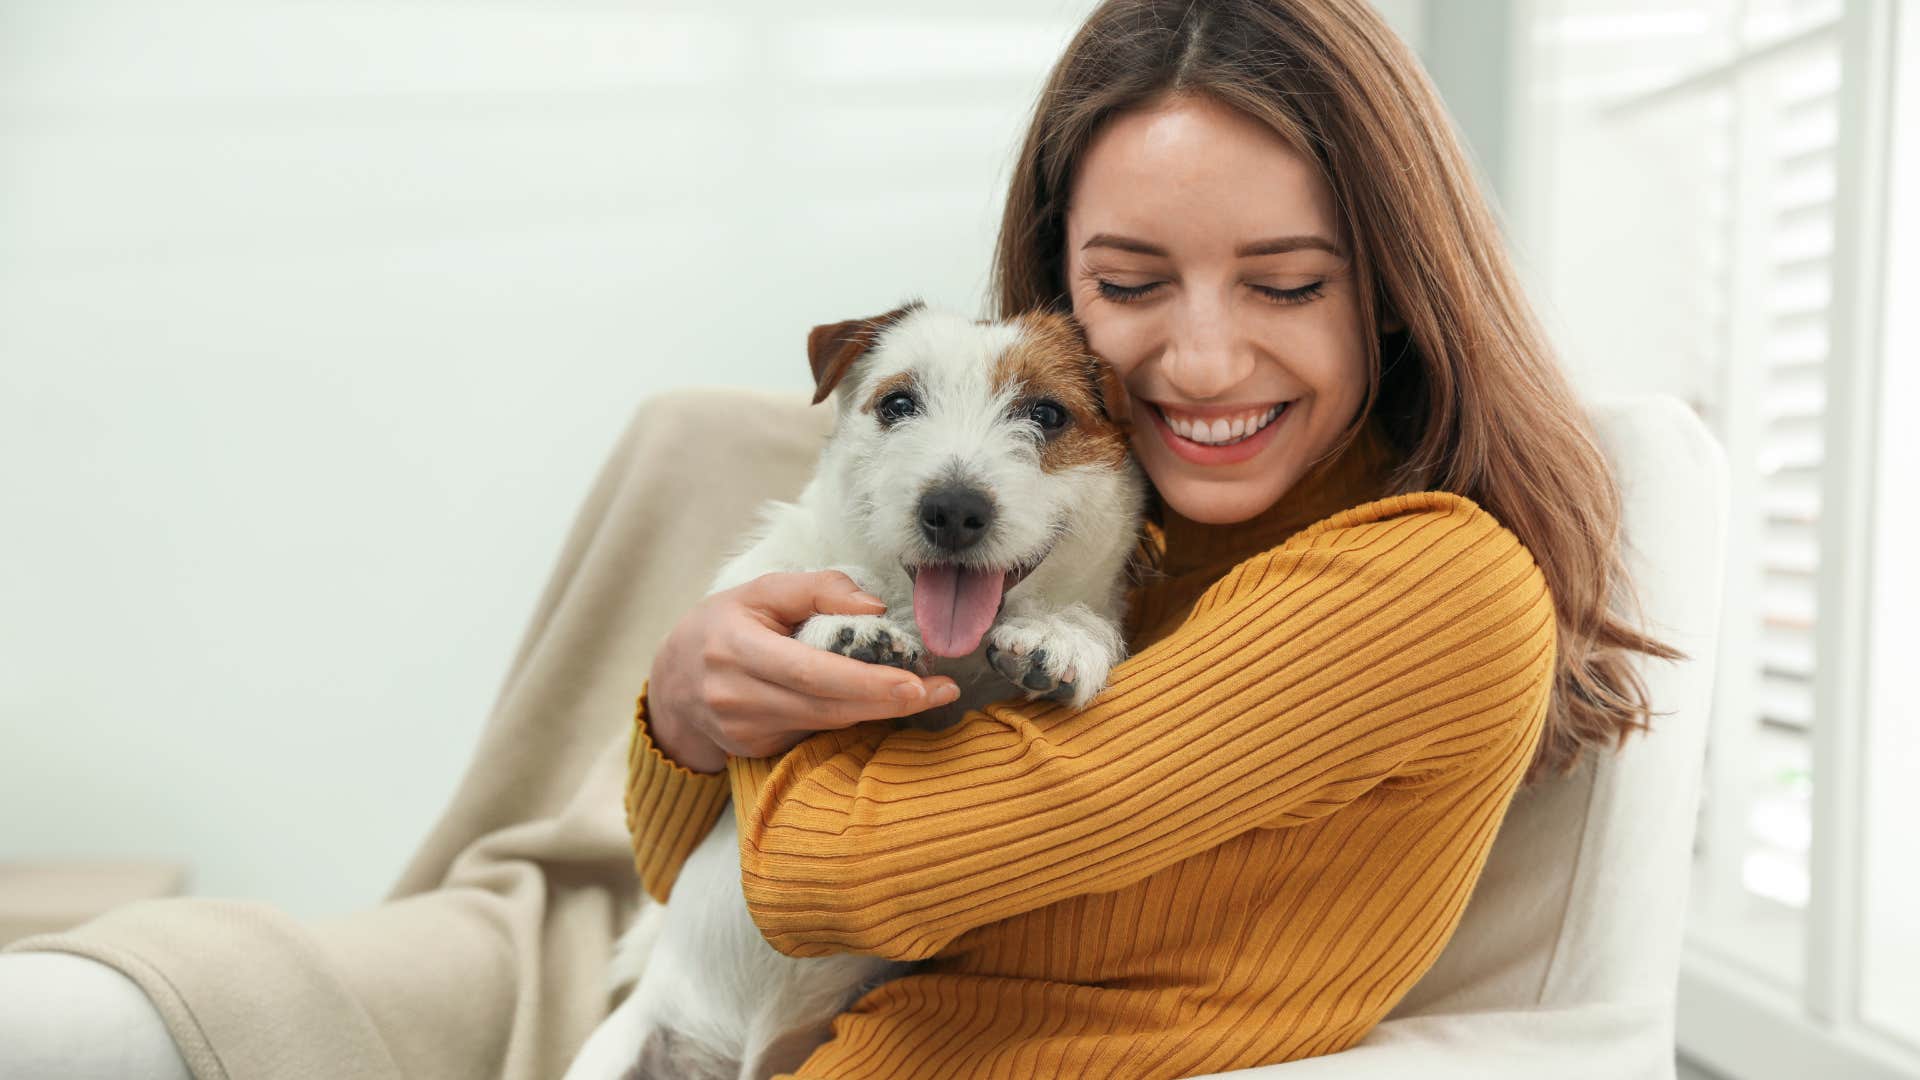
1331, 350
1119, 341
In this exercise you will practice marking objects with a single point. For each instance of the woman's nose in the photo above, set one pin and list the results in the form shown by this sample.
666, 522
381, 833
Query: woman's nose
1206, 358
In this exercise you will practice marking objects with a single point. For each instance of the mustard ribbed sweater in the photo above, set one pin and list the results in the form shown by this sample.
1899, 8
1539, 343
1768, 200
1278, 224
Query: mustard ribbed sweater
1244, 851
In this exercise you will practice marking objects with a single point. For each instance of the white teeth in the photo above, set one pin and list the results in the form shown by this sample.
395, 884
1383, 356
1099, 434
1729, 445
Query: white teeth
1220, 432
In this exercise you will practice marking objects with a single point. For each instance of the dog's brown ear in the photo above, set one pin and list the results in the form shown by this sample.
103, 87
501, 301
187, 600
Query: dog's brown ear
832, 349
1114, 400
1115, 403
1109, 393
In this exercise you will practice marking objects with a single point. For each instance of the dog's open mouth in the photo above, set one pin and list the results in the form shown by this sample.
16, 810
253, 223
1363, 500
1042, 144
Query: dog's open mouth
954, 605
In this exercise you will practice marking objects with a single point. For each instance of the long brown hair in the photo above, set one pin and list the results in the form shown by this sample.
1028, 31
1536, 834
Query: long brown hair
1466, 387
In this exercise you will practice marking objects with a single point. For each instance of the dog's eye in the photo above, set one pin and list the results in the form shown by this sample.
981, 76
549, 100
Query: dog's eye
897, 406
1050, 416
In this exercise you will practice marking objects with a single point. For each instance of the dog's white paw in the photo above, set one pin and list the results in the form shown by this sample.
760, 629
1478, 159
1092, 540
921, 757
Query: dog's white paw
877, 639
1064, 657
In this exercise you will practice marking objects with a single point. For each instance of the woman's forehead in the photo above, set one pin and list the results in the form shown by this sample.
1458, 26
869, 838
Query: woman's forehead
1195, 173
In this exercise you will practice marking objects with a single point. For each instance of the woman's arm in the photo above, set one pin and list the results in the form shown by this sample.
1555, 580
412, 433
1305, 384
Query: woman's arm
732, 680
670, 808
1398, 640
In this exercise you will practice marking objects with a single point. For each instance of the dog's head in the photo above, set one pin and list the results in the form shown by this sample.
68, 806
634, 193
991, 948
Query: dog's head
970, 450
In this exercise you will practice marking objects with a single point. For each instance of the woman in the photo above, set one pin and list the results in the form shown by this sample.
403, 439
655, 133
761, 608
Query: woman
1378, 613
1244, 851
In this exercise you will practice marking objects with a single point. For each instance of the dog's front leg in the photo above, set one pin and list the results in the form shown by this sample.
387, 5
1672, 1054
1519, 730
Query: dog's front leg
877, 639
1061, 653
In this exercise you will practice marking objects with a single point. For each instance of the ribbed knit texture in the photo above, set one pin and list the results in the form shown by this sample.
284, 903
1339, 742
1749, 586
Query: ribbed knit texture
1245, 850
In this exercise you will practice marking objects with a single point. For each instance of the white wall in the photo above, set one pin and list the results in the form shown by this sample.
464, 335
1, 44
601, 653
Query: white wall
317, 318
1607, 216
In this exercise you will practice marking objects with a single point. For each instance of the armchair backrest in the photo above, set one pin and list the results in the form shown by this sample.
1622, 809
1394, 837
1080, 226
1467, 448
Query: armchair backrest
1584, 894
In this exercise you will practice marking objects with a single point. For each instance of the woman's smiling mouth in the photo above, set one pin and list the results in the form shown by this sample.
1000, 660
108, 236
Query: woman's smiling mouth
1222, 428
1219, 439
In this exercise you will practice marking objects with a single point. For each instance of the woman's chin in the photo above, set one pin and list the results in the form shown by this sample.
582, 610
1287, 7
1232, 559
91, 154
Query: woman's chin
1220, 502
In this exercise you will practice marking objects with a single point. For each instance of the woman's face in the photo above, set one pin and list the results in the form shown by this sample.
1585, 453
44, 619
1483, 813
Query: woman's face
1204, 258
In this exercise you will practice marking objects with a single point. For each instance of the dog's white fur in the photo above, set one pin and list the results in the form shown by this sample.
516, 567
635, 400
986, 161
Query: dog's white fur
715, 998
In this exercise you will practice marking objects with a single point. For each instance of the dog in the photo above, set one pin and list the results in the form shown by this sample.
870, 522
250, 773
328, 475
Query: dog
979, 481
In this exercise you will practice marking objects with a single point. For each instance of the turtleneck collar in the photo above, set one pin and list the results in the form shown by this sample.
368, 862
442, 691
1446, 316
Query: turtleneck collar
1357, 476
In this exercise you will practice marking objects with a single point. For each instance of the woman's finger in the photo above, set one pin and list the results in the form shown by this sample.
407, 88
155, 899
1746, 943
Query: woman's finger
785, 600
781, 717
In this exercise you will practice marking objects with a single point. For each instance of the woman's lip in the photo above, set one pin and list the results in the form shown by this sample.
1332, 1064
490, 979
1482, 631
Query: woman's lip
1199, 454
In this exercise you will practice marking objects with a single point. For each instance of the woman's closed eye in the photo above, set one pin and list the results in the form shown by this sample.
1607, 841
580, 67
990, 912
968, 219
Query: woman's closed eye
1123, 294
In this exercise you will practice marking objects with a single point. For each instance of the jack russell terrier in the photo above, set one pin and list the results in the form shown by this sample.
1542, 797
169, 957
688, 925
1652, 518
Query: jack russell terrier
979, 481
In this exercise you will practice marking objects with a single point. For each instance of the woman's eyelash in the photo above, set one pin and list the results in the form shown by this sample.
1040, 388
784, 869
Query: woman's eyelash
1124, 293
1292, 296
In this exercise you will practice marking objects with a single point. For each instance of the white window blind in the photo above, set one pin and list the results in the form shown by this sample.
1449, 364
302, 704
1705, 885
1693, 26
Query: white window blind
1796, 98
1714, 125
1709, 191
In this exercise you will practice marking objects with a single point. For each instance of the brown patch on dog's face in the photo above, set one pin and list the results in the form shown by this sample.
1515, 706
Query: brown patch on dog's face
1051, 362
833, 348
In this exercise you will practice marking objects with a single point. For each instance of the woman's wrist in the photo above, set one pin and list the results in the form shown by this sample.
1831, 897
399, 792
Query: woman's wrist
683, 745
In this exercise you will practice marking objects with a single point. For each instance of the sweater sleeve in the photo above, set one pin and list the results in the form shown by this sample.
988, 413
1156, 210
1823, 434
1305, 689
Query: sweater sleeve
670, 808
1389, 643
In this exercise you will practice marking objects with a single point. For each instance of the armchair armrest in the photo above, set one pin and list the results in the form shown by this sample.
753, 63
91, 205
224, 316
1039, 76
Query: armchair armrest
1623, 1041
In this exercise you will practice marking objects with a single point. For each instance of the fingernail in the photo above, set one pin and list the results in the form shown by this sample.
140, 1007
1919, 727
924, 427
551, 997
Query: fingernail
907, 691
869, 598
946, 695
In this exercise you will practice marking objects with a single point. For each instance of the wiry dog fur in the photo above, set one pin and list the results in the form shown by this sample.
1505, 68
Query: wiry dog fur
715, 1001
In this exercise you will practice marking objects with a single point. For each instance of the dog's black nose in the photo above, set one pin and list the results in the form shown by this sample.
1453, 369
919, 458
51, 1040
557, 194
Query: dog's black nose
954, 517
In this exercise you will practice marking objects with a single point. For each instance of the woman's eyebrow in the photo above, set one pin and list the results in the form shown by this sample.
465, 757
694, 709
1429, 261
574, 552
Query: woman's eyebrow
1124, 243
1278, 245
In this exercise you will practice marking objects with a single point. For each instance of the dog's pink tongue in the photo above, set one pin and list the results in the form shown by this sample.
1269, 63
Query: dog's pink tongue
954, 606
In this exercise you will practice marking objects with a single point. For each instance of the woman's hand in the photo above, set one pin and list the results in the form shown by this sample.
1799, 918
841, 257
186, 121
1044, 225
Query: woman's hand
730, 678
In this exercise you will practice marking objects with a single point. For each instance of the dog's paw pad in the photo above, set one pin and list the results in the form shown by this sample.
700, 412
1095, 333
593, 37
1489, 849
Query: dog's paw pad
1051, 658
1028, 669
873, 639
1005, 663
1036, 677
883, 648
